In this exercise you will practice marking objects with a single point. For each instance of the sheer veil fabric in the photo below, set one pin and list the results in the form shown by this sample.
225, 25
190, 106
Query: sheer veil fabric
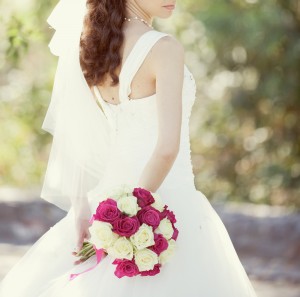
81, 134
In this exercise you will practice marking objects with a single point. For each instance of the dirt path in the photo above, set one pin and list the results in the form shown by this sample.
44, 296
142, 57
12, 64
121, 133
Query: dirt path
10, 254
266, 238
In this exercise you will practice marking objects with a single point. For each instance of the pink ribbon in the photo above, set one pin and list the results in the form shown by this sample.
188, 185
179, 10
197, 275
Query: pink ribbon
91, 219
99, 256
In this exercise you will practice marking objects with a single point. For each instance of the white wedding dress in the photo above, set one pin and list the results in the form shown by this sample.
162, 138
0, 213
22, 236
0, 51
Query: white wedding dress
205, 263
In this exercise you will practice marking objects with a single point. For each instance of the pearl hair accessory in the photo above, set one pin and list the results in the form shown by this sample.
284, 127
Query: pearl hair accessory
137, 18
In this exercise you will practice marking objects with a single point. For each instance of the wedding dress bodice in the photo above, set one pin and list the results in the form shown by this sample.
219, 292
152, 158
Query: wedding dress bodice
134, 123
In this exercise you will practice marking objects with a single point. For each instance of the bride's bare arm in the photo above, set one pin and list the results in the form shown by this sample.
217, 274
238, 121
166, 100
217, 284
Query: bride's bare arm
168, 68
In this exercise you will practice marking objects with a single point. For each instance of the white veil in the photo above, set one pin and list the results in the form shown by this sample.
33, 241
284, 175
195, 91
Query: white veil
81, 132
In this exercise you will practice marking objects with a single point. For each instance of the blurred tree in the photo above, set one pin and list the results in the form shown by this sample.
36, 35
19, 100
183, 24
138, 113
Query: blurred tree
25, 82
245, 55
248, 137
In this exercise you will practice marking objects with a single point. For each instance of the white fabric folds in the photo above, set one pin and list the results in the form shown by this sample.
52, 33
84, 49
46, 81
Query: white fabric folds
81, 132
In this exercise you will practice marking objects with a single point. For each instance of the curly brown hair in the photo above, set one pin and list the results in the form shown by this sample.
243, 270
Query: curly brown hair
101, 40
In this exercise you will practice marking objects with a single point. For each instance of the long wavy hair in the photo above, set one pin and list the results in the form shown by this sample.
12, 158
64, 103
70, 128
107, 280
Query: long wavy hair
101, 40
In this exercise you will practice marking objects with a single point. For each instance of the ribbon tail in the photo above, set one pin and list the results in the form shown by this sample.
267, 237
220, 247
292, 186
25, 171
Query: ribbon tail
99, 256
91, 220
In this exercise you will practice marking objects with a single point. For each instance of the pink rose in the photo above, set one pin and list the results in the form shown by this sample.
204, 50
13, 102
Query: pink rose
161, 244
125, 268
107, 211
144, 197
166, 213
175, 234
126, 226
150, 216
152, 272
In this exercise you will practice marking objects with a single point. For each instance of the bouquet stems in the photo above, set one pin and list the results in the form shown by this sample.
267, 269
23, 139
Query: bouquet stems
85, 253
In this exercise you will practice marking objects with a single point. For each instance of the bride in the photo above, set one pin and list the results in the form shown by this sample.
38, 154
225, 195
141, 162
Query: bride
119, 114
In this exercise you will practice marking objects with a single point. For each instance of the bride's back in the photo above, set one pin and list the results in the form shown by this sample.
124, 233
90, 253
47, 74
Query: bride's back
143, 82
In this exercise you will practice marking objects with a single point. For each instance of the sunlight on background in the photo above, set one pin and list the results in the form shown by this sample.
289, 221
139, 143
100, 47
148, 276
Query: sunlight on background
244, 121
245, 57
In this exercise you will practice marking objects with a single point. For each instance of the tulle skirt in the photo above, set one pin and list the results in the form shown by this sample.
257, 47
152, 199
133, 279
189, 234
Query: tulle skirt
205, 263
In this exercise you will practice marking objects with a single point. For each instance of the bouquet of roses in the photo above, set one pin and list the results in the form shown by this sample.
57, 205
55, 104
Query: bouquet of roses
135, 228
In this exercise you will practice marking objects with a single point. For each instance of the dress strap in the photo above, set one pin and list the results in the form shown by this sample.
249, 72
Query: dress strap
135, 59
103, 105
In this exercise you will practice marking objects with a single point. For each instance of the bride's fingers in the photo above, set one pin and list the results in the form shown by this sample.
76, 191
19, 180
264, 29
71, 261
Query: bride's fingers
80, 242
88, 234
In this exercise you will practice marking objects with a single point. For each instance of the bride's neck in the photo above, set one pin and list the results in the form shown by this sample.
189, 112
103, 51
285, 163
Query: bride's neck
135, 10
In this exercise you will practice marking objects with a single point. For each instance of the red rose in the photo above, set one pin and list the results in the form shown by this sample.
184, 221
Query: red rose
107, 211
152, 272
144, 197
168, 214
126, 226
125, 268
175, 234
161, 244
150, 216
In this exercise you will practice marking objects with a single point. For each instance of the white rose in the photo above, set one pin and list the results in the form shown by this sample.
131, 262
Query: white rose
145, 259
102, 235
165, 228
143, 238
168, 253
128, 204
96, 196
122, 249
158, 204
122, 190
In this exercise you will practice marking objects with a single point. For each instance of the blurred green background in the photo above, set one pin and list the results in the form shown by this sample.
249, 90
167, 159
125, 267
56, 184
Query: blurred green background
245, 56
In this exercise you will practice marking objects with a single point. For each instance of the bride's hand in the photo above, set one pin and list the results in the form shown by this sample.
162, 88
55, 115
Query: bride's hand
82, 231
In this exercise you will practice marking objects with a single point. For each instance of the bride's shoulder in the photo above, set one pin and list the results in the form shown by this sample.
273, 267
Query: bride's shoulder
167, 46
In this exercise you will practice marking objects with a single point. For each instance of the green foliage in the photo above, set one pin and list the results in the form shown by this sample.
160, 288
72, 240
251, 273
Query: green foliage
245, 55
17, 33
24, 94
247, 143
